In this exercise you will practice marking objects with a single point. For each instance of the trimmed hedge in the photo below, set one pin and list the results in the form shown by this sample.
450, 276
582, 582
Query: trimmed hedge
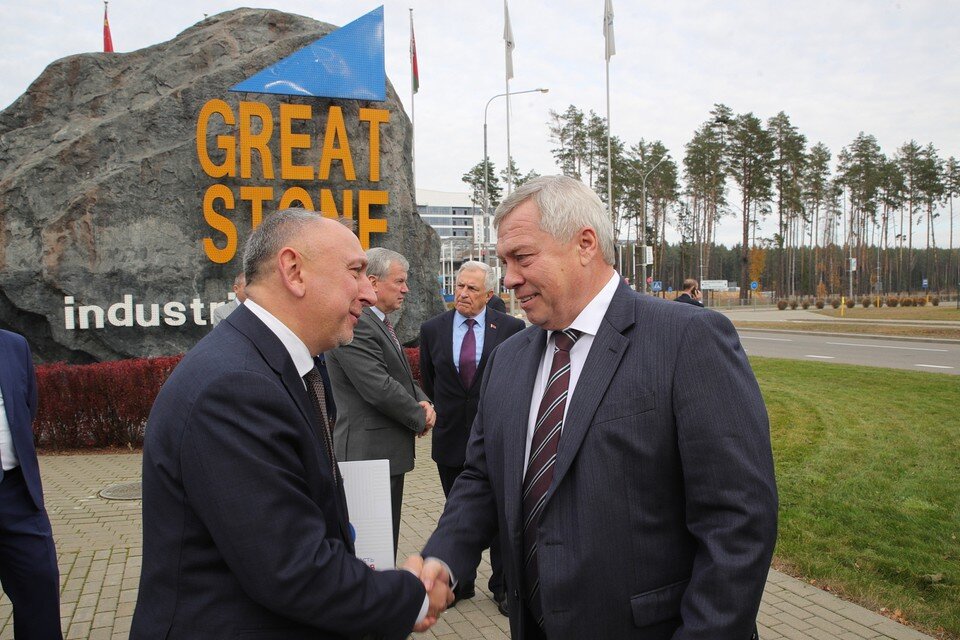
107, 404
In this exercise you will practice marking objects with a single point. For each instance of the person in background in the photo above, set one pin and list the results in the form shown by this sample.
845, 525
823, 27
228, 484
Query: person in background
380, 407
224, 310
28, 558
691, 293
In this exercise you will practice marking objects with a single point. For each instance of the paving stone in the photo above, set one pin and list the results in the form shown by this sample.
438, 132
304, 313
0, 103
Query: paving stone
99, 547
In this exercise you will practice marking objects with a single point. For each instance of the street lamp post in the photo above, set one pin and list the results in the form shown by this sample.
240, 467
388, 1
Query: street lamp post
643, 229
486, 177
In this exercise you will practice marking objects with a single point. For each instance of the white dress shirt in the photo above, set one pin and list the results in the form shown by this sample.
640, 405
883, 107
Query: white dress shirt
8, 454
588, 323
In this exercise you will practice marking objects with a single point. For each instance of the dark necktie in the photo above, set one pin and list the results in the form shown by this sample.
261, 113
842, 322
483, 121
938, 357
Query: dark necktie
321, 363
543, 455
393, 334
468, 355
318, 397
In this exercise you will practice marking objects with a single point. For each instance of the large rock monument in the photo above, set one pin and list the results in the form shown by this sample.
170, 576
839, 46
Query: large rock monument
129, 181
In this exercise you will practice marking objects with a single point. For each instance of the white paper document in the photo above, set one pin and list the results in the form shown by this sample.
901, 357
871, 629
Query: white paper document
367, 487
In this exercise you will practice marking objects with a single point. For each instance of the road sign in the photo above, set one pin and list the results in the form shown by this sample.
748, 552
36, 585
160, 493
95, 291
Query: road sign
926, 283
646, 255
754, 285
714, 285
853, 264
669, 289
657, 286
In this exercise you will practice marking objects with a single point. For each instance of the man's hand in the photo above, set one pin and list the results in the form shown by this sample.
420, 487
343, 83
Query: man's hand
430, 417
436, 581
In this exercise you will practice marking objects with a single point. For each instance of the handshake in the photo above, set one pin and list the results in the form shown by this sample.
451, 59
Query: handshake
436, 580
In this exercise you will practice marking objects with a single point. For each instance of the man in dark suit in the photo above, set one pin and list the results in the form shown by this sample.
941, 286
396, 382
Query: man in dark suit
454, 349
691, 293
28, 559
380, 407
629, 473
245, 524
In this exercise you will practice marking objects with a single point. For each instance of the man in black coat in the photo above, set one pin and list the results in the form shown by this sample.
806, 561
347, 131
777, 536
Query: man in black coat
245, 524
691, 293
454, 348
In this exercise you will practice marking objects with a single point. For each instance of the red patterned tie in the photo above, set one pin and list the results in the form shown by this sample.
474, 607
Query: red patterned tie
318, 397
468, 355
543, 455
393, 334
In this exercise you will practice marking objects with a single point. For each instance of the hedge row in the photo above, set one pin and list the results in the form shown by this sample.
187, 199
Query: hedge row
107, 404
865, 301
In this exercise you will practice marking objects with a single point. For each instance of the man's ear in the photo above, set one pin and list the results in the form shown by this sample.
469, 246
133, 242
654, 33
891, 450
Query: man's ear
290, 262
587, 244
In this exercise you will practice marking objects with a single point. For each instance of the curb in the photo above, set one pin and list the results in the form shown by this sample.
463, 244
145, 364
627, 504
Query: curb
867, 336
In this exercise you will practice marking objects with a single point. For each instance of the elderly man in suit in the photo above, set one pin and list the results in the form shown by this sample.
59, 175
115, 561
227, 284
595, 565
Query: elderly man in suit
454, 349
245, 525
221, 312
630, 475
380, 407
28, 559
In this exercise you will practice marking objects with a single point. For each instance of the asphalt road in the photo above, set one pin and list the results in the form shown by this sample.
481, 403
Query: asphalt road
936, 357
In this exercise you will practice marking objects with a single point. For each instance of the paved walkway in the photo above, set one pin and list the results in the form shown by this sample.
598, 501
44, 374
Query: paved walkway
99, 548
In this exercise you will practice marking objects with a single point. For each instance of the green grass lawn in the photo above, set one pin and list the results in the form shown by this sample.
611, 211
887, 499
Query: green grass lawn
868, 470
946, 311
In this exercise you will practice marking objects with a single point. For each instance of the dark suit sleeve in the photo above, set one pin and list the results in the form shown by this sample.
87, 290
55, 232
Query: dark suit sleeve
426, 362
731, 497
364, 365
469, 518
245, 478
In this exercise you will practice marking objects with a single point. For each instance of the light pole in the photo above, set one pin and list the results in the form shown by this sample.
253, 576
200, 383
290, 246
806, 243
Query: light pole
643, 229
486, 177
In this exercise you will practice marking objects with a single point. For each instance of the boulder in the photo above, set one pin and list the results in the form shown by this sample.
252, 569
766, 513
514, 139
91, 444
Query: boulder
102, 212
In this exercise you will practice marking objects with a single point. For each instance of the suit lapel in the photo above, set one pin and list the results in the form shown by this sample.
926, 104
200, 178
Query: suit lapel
385, 335
515, 429
602, 363
277, 357
489, 342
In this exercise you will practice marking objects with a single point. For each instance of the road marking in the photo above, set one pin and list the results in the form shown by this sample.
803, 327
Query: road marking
768, 339
820, 357
883, 346
934, 366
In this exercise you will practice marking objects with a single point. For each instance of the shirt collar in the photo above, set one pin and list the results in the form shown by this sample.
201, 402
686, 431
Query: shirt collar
378, 313
459, 318
298, 351
592, 315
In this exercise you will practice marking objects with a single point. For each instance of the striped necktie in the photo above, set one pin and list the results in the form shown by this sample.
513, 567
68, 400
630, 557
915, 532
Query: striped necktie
318, 397
543, 456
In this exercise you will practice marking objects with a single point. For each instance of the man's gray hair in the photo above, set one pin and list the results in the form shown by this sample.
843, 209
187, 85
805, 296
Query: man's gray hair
379, 261
274, 233
489, 277
566, 206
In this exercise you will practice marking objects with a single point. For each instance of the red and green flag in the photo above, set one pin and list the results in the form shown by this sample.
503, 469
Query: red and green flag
107, 40
414, 70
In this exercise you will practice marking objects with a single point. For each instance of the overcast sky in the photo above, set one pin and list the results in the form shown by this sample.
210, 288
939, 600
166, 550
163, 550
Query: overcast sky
835, 67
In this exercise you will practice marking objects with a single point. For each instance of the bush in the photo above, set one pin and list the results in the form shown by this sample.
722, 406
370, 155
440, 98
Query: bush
793, 304
920, 301
892, 301
97, 405
413, 357
835, 303
781, 304
906, 302
850, 302
935, 301
865, 302
819, 303
805, 304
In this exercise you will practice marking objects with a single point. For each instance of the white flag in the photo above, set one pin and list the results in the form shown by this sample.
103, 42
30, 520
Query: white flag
608, 29
508, 39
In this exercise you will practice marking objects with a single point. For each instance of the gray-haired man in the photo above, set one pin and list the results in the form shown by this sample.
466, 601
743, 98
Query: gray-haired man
380, 408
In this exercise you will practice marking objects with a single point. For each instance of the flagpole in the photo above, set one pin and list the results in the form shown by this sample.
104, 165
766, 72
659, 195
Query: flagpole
609, 50
413, 110
508, 49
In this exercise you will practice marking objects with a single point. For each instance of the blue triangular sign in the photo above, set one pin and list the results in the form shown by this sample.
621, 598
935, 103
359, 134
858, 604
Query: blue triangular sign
346, 63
